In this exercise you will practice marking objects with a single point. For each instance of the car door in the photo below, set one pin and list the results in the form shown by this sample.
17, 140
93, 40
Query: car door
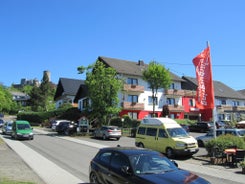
163, 140
151, 136
118, 161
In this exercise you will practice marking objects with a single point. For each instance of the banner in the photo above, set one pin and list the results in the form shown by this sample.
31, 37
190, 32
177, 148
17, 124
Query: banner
205, 90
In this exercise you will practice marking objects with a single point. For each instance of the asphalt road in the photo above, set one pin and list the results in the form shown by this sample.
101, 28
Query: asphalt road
75, 158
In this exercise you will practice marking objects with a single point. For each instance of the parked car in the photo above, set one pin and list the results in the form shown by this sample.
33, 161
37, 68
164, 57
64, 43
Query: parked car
202, 140
1, 123
108, 132
22, 129
200, 127
137, 165
7, 128
240, 124
66, 127
186, 127
54, 123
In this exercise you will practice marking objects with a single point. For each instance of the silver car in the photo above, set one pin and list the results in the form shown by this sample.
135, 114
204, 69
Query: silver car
202, 140
7, 128
108, 132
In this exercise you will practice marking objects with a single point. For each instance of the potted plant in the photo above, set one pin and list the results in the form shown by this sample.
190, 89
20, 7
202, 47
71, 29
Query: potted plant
242, 164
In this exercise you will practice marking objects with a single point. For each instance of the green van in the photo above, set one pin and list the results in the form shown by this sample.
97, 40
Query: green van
22, 129
165, 135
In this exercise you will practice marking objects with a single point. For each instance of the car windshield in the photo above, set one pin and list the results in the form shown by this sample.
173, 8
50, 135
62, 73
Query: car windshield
23, 126
177, 132
151, 164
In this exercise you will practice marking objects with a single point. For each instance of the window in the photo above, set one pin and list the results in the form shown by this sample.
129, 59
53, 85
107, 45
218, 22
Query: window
141, 130
105, 157
170, 101
118, 160
85, 103
235, 103
172, 86
150, 100
162, 133
133, 115
191, 102
132, 81
151, 131
133, 98
223, 102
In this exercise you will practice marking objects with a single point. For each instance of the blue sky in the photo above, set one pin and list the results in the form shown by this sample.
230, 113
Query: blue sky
60, 35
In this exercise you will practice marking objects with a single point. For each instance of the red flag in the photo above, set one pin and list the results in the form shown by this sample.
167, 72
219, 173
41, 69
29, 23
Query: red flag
205, 90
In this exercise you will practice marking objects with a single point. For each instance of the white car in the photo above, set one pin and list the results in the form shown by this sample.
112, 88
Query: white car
54, 123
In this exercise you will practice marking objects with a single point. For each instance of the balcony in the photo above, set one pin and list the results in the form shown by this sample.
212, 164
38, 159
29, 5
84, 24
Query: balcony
176, 108
238, 108
224, 108
133, 88
133, 106
180, 92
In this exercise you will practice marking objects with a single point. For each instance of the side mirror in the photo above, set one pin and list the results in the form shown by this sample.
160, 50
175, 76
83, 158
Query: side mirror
126, 170
175, 163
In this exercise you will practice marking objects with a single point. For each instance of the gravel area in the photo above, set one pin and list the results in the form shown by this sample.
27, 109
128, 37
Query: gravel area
12, 167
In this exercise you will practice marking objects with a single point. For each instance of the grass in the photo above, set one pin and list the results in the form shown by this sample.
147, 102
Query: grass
7, 181
1, 141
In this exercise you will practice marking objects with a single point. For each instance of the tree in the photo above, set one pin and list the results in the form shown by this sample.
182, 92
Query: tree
6, 100
157, 77
42, 97
103, 87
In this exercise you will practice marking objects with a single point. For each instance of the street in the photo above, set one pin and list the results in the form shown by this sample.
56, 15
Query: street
75, 158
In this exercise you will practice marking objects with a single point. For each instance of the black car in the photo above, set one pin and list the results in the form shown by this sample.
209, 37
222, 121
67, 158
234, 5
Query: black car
66, 127
134, 165
201, 127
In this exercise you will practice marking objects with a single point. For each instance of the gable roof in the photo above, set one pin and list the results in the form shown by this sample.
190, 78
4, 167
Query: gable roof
67, 86
130, 67
220, 89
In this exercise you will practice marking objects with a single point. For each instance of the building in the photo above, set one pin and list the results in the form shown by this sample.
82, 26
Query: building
66, 91
229, 104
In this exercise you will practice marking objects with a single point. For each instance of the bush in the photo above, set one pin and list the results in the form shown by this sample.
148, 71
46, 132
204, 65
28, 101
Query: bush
223, 142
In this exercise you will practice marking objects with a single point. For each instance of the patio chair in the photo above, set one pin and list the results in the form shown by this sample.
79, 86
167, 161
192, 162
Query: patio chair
219, 156
239, 156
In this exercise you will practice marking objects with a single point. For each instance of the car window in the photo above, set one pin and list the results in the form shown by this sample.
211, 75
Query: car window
105, 157
241, 132
23, 126
177, 132
218, 133
156, 163
141, 130
118, 160
151, 131
162, 133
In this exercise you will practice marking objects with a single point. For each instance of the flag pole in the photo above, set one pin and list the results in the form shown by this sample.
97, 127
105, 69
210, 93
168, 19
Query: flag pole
213, 109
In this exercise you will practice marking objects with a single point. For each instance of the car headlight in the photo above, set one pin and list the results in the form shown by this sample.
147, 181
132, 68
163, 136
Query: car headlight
19, 134
31, 133
180, 144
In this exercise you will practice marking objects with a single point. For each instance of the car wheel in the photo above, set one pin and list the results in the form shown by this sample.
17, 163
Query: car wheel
118, 138
104, 137
200, 143
66, 132
169, 153
93, 178
141, 145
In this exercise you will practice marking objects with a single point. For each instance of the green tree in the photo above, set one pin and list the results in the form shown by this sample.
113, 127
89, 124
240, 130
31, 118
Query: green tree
157, 77
42, 97
103, 87
6, 102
